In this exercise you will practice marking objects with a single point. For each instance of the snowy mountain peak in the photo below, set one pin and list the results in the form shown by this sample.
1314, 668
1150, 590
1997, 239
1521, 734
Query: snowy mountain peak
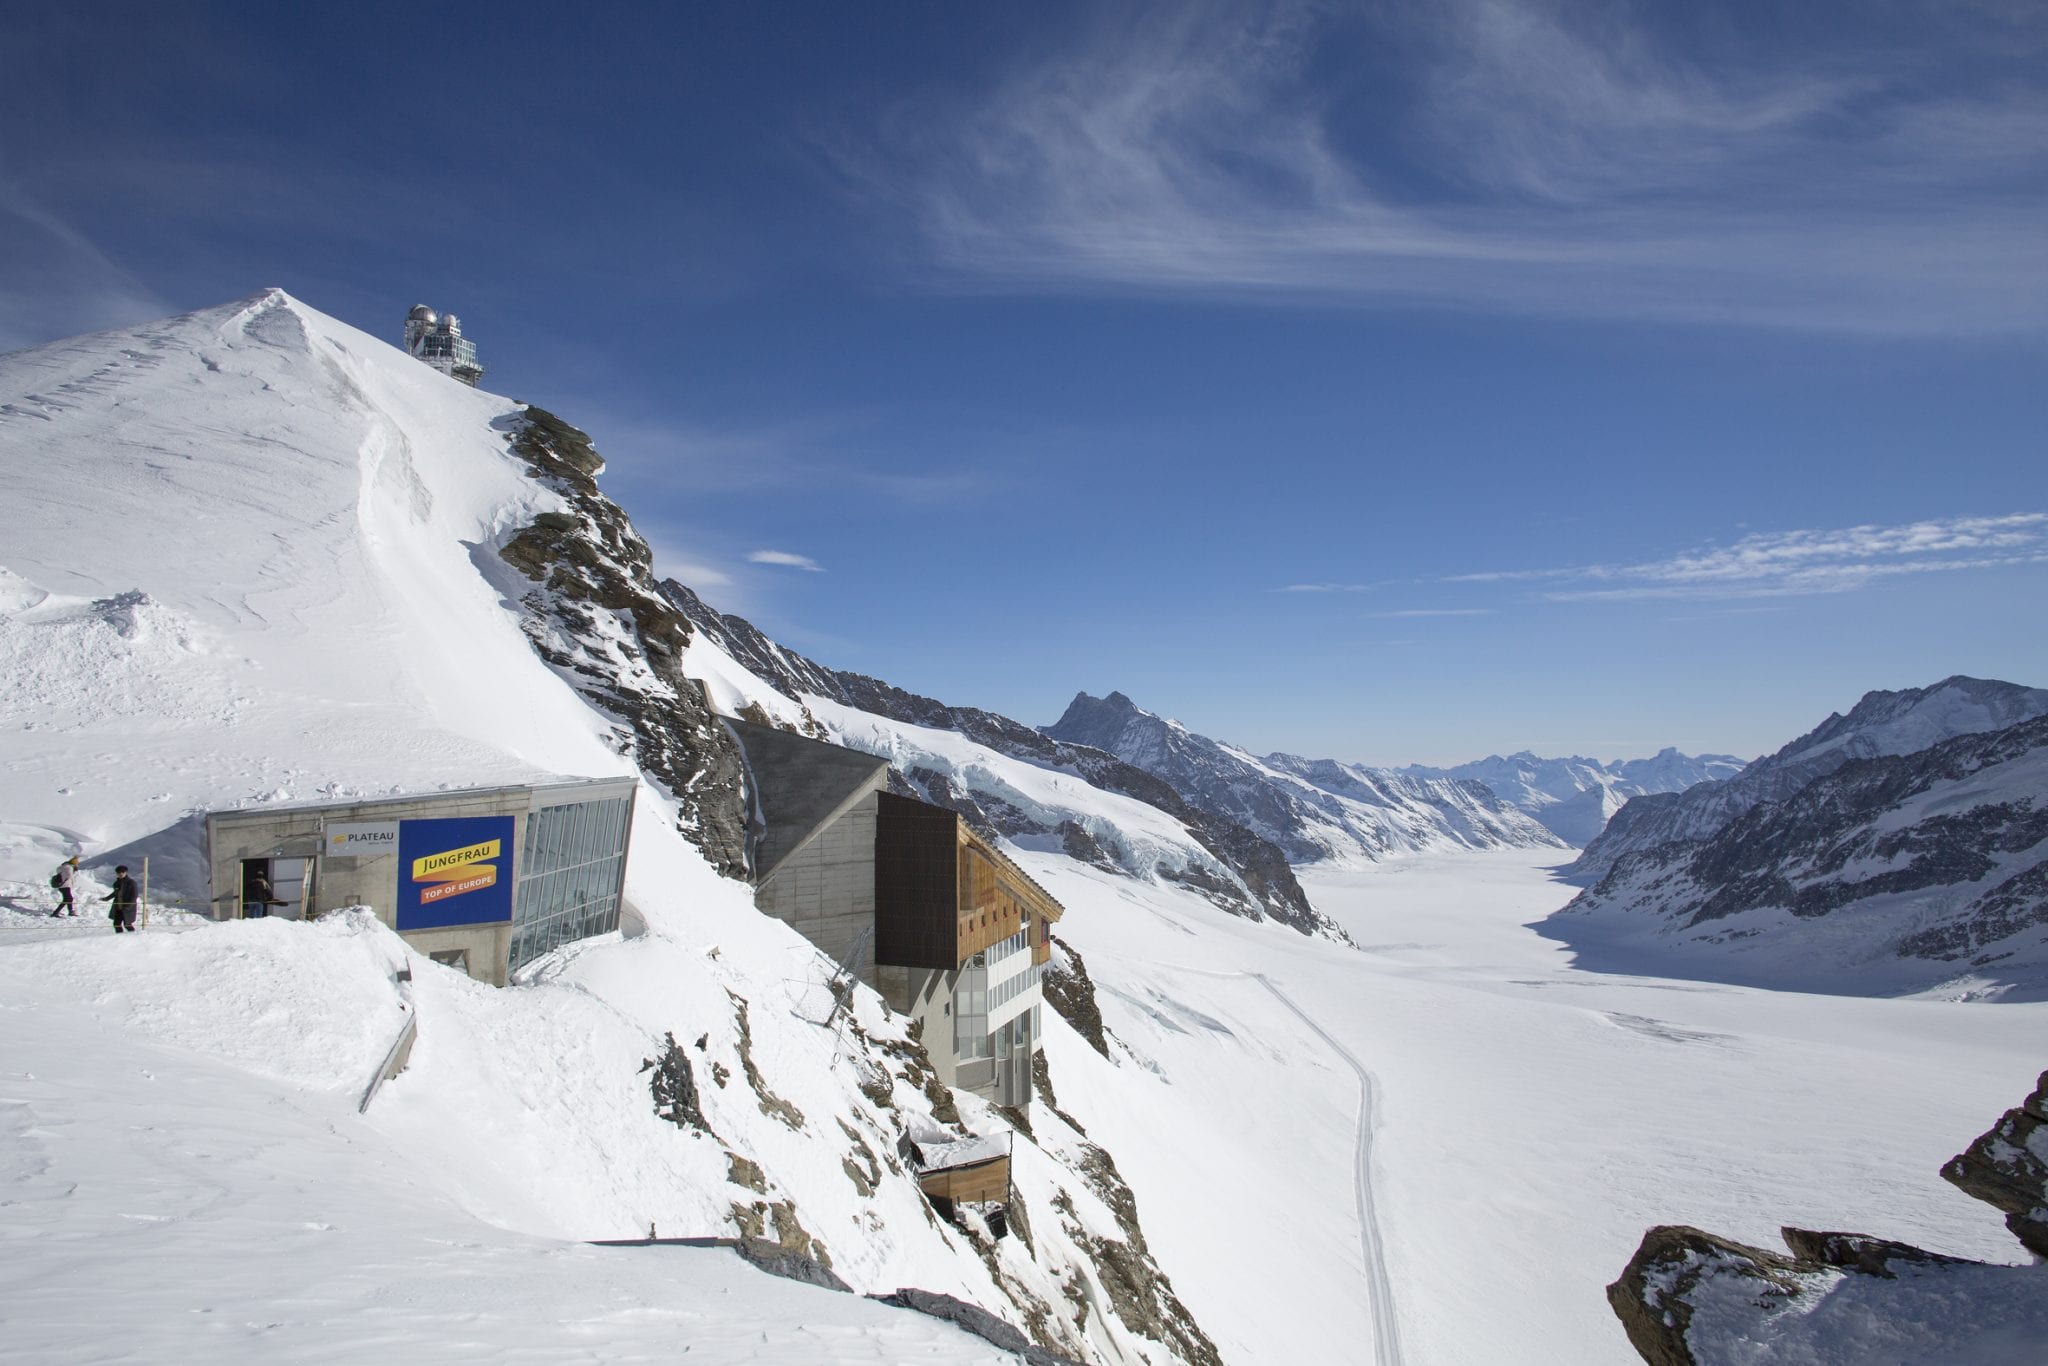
1574, 797
1910, 719
1881, 724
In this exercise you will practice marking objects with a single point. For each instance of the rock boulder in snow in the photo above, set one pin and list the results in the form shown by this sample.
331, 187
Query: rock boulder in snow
2007, 1168
1690, 1298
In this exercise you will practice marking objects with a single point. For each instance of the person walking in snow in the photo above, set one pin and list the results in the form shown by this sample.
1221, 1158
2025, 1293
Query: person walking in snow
62, 882
257, 898
126, 896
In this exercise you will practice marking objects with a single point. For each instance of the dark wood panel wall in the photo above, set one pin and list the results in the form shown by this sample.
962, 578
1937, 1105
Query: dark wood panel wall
917, 856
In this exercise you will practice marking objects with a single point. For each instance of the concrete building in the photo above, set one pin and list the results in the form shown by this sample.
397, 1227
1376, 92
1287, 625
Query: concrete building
935, 918
484, 879
436, 338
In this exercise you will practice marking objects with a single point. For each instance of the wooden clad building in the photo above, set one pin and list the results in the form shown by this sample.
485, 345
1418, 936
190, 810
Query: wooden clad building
960, 934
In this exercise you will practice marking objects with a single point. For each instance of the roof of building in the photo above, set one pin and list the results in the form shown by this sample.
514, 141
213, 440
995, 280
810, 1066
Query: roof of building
557, 787
800, 786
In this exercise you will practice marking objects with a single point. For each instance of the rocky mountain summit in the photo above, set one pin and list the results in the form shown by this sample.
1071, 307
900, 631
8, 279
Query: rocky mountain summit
1264, 885
1883, 723
1313, 809
1690, 1298
1890, 873
1575, 797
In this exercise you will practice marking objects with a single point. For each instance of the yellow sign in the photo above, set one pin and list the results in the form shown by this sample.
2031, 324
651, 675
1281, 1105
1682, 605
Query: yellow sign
455, 863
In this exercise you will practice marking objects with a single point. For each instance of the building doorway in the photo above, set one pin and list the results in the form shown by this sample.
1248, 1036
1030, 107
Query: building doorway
275, 886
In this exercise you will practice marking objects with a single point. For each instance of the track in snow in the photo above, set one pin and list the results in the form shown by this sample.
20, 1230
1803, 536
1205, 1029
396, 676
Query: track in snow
1386, 1332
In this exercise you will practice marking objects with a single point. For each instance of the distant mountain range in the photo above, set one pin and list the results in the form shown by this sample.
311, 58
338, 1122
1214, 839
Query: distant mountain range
1882, 723
1574, 798
1897, 848
1313, 809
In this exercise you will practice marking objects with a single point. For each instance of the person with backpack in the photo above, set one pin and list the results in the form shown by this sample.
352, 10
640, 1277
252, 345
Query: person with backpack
126, 896
61, 880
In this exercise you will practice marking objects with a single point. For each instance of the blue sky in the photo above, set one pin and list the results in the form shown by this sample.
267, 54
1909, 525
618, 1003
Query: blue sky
1387, 382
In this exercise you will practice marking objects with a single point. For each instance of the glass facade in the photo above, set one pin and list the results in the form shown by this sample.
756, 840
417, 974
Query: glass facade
571, 867
1005, 992
975, 999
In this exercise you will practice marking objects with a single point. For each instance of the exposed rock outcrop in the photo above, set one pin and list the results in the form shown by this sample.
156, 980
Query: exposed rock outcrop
1140, 1295
674, 1086
2007, 1168
1071, 993
1690, 1298
596, 614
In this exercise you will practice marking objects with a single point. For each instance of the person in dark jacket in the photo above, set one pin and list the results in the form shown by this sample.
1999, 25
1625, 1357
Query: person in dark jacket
66, 870
257, 898
126, 897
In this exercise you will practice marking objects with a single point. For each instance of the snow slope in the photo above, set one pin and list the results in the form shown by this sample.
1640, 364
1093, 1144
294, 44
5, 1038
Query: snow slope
186, 1178
236, 564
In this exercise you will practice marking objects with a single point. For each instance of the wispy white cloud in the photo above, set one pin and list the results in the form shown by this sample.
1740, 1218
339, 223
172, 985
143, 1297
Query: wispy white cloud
1327, 588
1436, 612
666, 456
59, 282
1537, 156
786, 559
1795, 563
691, 570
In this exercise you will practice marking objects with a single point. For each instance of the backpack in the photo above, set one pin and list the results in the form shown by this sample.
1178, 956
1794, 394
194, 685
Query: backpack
57, 880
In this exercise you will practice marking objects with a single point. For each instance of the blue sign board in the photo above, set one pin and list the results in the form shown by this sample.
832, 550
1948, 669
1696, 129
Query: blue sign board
454, 872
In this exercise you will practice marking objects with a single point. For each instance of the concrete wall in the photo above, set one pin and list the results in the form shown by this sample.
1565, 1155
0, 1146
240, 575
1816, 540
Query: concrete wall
926, 996
826, 890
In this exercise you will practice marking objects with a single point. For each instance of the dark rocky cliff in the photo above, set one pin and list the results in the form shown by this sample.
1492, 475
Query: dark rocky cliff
595, 613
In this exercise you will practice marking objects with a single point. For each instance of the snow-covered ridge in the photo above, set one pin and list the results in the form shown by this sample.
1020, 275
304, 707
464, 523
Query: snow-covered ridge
256, 523
1881, 723
1312, 809
1005, 777
1574, 797
1894, 873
